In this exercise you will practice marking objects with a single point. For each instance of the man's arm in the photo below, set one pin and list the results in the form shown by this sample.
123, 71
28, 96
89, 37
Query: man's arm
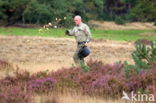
88, 33
70, 32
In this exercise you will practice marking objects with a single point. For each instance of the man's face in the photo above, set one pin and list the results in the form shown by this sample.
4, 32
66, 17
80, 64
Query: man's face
77, 21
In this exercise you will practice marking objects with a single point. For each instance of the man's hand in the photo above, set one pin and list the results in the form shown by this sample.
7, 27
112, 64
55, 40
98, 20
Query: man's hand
67, 32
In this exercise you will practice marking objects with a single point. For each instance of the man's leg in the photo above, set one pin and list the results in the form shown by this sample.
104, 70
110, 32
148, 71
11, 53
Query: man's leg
78, 61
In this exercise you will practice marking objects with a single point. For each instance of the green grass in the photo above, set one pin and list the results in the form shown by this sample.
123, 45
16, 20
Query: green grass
124, 35
121, 35
32, 32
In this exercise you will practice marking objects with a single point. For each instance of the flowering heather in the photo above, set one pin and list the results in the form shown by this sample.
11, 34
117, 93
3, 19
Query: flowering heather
85, 81
42, 85
22, 76
9, 81
68, 78
109, 85
105, 80
142, 80
15, 94
98, 66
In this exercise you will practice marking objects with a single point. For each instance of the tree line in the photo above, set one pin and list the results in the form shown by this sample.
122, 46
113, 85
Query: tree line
44, 11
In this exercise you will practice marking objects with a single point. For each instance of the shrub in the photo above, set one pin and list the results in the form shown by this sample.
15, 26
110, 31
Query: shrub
67, 79
15, 94
42, 85
76, 79
40, 74
109, 85
144, 57
104, 80
119, 20
22, 76
143, 80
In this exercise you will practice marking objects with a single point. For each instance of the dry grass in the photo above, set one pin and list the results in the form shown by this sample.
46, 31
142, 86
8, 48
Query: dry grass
104, 25
40, 53
72, 98
5, 69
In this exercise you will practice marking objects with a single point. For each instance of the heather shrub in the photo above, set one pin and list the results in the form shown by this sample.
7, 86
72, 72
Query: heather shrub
144, 81
15, 94
143, 41
7, 81
99, 67
104, 80
42, 85
25, 76
67, 79
86, 82
109, 86
151, 89
26, 86
41, 74
22, 76
95, 64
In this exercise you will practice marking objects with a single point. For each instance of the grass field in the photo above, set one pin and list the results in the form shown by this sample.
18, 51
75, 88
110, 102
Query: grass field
121, 35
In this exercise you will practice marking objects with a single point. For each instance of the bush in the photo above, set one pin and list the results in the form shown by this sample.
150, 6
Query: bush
120, 20
88, 82
144, 57
109, 86
67, 79
15, 94
42, 85
143, 80
103, 80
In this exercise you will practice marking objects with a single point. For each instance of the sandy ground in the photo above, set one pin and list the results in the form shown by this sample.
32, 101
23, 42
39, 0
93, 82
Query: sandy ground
42, 53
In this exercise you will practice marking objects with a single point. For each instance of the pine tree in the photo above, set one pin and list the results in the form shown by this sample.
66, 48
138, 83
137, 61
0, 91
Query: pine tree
144, 55
144, 58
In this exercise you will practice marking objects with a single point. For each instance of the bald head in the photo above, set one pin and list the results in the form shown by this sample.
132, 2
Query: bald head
77, 20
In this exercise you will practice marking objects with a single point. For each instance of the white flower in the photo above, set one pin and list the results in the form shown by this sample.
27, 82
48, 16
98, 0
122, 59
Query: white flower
55, 26
49, 24
65, 18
